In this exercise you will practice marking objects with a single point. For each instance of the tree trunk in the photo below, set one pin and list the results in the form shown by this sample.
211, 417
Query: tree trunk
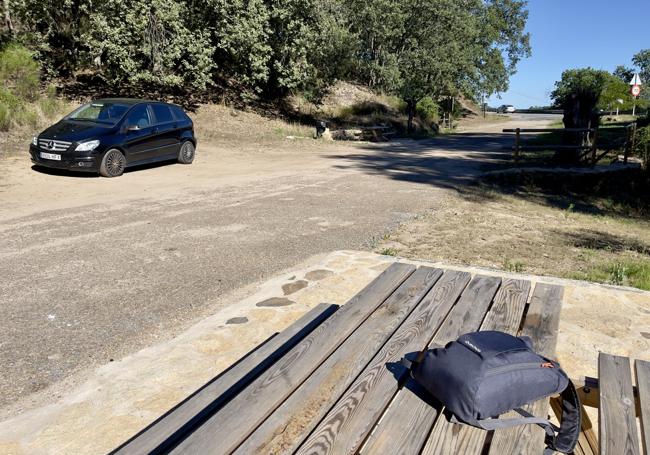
7, 17
410, 108
579, 112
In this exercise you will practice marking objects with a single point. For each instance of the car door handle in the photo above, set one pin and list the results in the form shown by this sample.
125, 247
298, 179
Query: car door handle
155, 130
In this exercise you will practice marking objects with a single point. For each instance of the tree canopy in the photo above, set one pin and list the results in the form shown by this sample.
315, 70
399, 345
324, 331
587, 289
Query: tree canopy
599, 88
265, 48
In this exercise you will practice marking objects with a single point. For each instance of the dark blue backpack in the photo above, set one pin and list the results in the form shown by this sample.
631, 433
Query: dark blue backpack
485, 374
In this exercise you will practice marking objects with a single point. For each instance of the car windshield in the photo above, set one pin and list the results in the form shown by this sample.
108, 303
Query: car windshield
99, 112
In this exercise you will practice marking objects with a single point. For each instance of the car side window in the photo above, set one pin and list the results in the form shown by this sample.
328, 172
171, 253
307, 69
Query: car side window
179, 114
139, 116
162, 113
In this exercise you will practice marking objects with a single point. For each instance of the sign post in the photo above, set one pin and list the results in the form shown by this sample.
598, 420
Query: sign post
635, 90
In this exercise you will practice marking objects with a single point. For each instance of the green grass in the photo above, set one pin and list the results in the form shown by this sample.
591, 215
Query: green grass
22, 100
634, 273
514, 266
292, 129
5, 118
388, 252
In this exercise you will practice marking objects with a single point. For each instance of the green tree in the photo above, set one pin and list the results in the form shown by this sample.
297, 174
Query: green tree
585, 83
268, 47
55, 31
624, 73
615, 93
592, 89
418, 48
239, 33
136, 41
642, 61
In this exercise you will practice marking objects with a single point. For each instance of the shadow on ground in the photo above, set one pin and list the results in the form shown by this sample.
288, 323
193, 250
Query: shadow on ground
599, 240
461, 162
453, 161
83, 174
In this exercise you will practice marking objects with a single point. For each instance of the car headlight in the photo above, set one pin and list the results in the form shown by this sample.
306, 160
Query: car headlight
35, 140
87, 146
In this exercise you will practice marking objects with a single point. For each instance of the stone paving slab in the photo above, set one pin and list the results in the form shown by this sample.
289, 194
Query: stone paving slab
122, 397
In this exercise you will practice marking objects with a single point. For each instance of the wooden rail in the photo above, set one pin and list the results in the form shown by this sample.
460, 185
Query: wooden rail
590, 149
549, 130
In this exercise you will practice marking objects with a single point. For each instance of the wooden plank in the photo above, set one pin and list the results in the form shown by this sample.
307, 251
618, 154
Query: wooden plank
349, 422
588, 389
408, 420
517, 145
165, 431
616, 417
548, 130
541, 324
292, 422
643, 381
589, 440
505, 315
533, 148
227, 429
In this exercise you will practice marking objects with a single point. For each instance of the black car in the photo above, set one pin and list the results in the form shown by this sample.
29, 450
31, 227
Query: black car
109, 135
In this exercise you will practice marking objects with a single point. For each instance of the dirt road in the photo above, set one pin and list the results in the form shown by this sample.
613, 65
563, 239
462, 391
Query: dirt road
96, 268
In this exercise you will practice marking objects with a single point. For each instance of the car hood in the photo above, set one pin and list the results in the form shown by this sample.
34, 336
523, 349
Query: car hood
67, 130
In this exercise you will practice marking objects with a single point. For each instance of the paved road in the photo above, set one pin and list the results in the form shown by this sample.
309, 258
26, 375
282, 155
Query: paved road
95, 280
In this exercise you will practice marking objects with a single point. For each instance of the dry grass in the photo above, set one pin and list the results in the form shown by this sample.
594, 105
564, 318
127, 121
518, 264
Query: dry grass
223, 124
34, 118
490, 229
349, 105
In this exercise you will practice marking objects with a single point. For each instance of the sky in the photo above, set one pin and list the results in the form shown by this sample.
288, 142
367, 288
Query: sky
568, 34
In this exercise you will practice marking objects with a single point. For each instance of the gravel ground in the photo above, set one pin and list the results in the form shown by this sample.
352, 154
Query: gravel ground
94, 269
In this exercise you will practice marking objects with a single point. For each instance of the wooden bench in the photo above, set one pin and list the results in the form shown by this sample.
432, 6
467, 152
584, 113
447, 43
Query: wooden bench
622, 408
332, 382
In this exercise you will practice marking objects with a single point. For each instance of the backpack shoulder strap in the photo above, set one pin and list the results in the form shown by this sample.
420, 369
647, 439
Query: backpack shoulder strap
567, 438
562, 439
526, 419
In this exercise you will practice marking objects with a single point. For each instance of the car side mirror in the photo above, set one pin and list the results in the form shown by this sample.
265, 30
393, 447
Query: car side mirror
131, 128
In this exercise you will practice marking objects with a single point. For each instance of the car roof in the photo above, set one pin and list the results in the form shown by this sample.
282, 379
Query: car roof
127, 101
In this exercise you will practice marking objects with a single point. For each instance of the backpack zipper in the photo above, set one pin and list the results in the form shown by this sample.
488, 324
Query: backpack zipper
518, 367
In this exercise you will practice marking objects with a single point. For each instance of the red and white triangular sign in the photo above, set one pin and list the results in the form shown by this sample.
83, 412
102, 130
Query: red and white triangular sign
636, 80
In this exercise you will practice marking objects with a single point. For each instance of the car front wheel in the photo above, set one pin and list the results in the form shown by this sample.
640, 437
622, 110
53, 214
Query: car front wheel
186, 154
113, 163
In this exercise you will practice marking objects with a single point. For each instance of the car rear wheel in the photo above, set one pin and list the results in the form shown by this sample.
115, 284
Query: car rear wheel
186, 154
113, 163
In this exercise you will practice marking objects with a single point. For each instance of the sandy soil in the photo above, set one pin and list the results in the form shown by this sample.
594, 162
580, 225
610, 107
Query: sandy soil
255, 203
492, 229
234, 153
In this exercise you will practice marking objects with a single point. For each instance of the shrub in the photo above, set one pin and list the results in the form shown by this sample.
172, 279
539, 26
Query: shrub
26, 115
21, 99
19, 72
427, 110
50, 104
5, 121
643, 145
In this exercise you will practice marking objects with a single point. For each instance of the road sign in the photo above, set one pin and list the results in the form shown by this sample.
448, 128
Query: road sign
636, 80
635, 90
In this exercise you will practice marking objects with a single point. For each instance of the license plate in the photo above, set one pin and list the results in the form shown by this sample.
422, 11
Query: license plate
51, 156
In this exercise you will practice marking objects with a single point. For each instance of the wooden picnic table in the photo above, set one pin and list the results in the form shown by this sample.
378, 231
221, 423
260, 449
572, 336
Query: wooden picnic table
332, 383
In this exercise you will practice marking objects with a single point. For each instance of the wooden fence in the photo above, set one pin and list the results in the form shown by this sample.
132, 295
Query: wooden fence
588, 147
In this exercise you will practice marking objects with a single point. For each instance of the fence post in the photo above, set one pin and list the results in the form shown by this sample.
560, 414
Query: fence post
632, 142
628, 142
517, 139
594, 147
